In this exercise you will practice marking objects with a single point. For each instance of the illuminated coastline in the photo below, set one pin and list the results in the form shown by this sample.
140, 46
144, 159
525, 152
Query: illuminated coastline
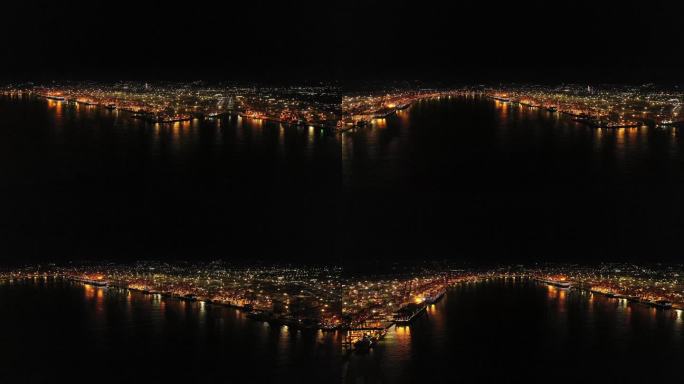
167, 102
607, 106
364, 307
327, 107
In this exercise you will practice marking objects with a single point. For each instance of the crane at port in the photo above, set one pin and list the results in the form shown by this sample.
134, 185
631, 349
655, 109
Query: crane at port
406, 292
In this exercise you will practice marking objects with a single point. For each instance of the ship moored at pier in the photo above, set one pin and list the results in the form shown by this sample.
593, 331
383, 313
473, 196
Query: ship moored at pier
435, 296
559, 283
408, 313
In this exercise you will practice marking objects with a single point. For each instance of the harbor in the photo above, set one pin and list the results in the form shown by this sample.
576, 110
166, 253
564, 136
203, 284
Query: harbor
164, 105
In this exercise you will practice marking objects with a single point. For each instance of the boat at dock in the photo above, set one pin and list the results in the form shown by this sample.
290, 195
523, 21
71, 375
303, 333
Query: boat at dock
97, 283
435, 297
556, 283
258, 315
664, 304
364, 344
383, 114
408, 313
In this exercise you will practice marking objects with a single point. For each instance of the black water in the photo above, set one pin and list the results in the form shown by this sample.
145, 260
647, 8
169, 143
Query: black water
498, 331
465, 179
522, 331
85, 182
53, 330
462, 178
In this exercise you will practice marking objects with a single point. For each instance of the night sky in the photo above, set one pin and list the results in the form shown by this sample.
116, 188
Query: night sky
470, 40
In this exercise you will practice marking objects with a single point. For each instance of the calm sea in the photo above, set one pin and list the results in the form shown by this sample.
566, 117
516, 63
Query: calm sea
463, 178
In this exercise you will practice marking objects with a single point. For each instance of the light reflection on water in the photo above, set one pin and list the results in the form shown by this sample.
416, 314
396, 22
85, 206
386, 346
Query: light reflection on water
502, 329
511, 324
424, 148
624, 144
387, 145
112, 326
389, 139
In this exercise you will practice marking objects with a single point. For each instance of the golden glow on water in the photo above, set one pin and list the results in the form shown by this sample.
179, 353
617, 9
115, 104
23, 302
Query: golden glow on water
653, 312
59, 113
551, 291
599, 133
466, 316
89, 291
622, 144
621, 134
431, 309
175, 128
622, 303
403, 333
505, 110
320, 336
379, 123
281, 138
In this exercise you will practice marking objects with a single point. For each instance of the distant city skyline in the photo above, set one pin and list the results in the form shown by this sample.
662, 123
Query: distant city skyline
327, 105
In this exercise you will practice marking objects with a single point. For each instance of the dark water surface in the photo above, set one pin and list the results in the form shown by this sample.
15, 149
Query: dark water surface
85, 182
466, 179
58, 330
497, 331
461, 178
520, 330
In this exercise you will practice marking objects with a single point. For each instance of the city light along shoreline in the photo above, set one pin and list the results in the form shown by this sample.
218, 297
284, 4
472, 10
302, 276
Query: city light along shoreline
598, 107
150, 117
367, 305
360, 339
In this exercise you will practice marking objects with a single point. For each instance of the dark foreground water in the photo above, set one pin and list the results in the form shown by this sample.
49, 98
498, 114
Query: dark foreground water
522, 331
460, 178
52, 330
498, 331
464, 179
